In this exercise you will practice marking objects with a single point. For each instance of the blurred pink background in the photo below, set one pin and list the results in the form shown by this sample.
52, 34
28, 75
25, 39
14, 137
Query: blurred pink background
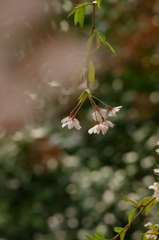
34, 56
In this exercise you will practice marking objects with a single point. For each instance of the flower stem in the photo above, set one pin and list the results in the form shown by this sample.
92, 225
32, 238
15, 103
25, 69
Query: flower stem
92, 102
79, 106
93, 18
101, 102
92, 32
71, 113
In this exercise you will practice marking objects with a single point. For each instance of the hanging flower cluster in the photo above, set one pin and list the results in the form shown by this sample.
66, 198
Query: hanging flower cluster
101, 124
94, 42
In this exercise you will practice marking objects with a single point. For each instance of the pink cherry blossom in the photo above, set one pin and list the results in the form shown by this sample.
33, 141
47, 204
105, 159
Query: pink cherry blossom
113, 111
71, 122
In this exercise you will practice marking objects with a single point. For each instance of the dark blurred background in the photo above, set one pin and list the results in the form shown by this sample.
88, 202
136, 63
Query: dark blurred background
62, 184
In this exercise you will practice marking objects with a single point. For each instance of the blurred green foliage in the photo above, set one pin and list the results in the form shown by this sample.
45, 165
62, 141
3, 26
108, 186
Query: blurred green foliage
62, 184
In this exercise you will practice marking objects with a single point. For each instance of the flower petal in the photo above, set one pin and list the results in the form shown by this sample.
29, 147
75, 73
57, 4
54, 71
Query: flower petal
65, 119
98, 114
103, 128
108, 124
148, 224
113, 111
156, 171
91, 130
71, 122
157, 150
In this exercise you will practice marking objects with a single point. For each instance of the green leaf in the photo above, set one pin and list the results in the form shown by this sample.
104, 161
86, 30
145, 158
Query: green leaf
83, 5
82, 97
91, 72
148, 208
99, 3
146, 200
129, 200
81, 16
153, 227
101, 37
98, 39
89, 43
98, 43
131, 214
109, 46
76, 19
123, 234
99, 236
79, 12
144, 237
84, 74
156, 163
73, 11
118, 229
90, 238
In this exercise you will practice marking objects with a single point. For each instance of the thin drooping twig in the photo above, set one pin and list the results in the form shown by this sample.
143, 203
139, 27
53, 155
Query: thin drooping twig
93, 18
92, 32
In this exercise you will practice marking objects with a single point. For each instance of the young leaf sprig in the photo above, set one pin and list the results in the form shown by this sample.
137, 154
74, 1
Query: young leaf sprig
88, 64
79, 12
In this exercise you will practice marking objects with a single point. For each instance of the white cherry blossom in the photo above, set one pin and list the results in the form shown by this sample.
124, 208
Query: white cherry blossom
148, 224
150, 234
113, 111
157, 150
66, 119
156, 171
103, 128
97, 128
155, 187
71, 122
98, 114
108, 124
